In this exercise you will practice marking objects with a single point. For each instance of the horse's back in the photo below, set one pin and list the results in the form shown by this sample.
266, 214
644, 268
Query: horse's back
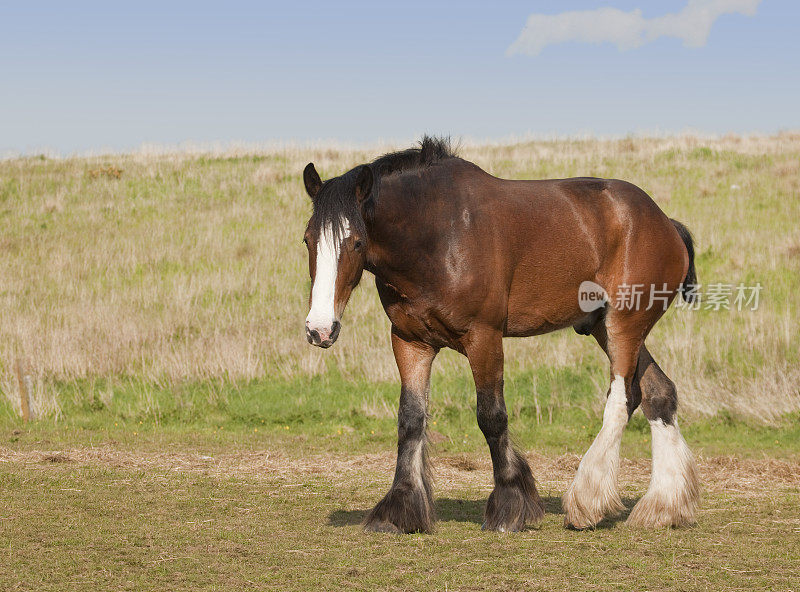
515, 253
549, 236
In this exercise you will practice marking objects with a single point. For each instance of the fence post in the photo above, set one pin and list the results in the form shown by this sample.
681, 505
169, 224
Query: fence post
24, 382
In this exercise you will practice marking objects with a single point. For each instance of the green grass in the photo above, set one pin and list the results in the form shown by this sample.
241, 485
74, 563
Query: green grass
83, 526
189, 438
331, 413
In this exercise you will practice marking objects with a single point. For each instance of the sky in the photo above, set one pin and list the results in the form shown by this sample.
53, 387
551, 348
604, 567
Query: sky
89, 76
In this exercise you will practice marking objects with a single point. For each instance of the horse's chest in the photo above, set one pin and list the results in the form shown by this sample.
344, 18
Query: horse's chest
417, 318
419, 322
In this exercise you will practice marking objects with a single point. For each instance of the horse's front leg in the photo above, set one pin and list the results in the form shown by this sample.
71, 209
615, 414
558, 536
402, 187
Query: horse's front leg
514, 501
408, 507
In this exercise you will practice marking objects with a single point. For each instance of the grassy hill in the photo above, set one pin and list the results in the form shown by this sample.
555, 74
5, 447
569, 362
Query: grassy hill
157, 285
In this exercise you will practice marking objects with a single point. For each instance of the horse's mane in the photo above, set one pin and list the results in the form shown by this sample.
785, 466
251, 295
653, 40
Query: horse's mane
336, 199
430, 151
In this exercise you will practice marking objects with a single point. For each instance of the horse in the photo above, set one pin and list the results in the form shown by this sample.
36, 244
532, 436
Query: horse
462, 259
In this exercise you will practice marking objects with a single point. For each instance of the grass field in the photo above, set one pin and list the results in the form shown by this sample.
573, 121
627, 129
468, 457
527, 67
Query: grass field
257, 519
187, 437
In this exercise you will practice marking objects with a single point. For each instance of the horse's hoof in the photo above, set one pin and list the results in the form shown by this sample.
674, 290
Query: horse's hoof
586, 503
499, 528
382, 526
511, 506
403, 510
658, 511
579, 526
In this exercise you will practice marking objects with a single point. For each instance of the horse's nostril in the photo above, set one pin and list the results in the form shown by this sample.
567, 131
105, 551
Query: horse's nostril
313, 335
334, 334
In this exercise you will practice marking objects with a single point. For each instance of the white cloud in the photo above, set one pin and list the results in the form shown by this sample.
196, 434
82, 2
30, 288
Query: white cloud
626, 30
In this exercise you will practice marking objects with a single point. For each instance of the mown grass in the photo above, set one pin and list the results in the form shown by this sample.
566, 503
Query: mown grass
117, 496
80, 525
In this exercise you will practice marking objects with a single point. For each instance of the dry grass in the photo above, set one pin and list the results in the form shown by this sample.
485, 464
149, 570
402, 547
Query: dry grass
719, 474
184, 267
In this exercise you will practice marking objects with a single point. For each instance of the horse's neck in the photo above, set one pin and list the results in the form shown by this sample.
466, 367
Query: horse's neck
392, 260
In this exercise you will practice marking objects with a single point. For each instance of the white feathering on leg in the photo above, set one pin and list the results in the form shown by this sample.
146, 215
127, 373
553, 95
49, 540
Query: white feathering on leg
593, 493
671, 499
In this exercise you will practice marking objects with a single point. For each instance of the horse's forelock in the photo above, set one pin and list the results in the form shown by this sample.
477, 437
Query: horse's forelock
336, 201
336, 206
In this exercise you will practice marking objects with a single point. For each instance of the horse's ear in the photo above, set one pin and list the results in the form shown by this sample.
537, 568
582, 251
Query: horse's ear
312, 180
363, 184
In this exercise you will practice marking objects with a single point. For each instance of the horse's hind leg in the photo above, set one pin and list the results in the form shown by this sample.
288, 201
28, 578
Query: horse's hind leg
593, 493
672, 497
408, 506
514, 500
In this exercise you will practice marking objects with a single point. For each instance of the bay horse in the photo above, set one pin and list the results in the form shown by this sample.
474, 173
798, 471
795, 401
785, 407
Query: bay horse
462, 259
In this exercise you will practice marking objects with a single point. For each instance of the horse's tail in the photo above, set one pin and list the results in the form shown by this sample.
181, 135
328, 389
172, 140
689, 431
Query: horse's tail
689, 285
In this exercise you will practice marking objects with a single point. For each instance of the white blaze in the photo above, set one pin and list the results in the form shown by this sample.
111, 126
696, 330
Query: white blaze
322, 314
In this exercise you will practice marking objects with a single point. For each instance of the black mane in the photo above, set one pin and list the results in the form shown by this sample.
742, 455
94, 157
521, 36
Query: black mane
336, 199
431, 150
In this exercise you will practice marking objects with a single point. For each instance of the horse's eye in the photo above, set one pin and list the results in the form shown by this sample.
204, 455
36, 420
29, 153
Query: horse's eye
305, 241
357, 245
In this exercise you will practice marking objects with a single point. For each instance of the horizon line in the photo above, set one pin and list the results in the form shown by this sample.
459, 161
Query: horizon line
227, 147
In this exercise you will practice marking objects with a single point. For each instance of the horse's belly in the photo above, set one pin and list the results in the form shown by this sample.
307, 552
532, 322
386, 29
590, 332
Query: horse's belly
534, 312
526, 324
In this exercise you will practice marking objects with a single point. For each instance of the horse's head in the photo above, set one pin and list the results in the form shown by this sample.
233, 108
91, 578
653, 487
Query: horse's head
337, 244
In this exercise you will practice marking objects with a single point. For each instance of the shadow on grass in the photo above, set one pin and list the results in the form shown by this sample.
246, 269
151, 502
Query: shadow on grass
610, 521
346, 517
466, 510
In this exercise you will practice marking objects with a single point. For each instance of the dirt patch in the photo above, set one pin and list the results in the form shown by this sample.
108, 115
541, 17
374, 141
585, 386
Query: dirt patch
55, 457
461, 462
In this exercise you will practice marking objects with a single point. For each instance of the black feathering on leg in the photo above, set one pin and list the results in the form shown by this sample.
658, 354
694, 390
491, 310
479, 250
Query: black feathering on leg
514, 502
408, 506
404, 509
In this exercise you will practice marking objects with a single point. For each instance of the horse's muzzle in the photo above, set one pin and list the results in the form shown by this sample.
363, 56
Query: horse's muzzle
323, 337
